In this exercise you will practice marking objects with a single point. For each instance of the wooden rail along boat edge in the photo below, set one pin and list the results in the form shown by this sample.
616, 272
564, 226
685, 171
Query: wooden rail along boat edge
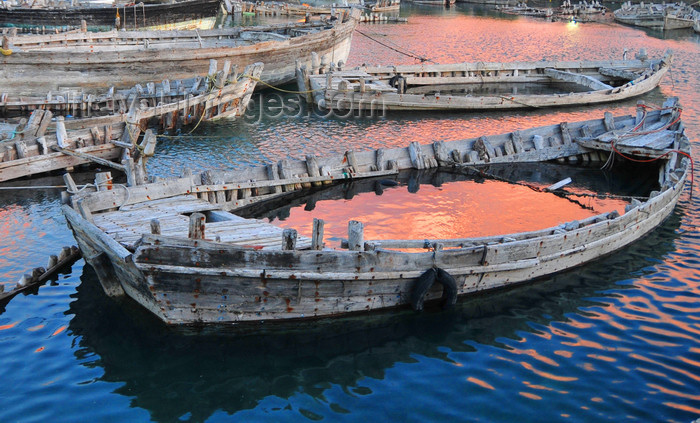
198, 264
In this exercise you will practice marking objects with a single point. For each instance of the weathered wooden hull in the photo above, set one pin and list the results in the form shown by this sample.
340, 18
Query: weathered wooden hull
197, 281
90, 139
132, 17
673, 22
346, 92
126, 58
658, 16
79, 104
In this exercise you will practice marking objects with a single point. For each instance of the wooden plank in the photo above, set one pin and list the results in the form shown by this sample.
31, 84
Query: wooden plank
577, 78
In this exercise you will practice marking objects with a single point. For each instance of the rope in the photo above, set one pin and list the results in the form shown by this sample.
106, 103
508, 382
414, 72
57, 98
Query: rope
34, 187
422, 59
633, 132
653, 159
559, 192
518, 102
280, 89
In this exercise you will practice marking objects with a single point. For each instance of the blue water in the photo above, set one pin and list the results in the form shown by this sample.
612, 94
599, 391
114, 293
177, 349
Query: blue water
616, 340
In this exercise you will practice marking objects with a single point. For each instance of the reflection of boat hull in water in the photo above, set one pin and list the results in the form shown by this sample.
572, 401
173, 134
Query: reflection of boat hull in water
482, 86
235, 270
131, 17
126, 58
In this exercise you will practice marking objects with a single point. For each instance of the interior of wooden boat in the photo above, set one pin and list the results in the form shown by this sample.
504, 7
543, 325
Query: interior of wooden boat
461, 203
464, 184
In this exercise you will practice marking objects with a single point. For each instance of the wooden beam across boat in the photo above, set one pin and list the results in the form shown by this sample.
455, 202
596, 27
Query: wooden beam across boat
577, 78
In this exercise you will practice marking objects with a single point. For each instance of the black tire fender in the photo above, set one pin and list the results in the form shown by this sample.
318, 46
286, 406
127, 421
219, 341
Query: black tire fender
449, 288
426, 281
421, 288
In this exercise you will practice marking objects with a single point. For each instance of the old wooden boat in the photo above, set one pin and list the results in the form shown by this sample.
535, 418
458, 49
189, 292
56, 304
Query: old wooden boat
478, 86
582, 8
665, 16
110, 137
97, 60
76, 103
523, 9
177, 249
133, 16
383, 6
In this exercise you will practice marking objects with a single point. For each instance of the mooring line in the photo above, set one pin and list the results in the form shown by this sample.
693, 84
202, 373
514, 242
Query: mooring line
409, 54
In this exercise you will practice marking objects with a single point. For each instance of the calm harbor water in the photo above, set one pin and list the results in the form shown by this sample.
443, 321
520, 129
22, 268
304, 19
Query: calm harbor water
616, 340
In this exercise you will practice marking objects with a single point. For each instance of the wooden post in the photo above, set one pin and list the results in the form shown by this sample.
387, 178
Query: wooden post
149, 143
285, 173
379, 159
441, 154
208, 180
21, 149
130, 170
356, 236
196, 229
103, 181
289, 239
220, 195
315, 63
352, 161
272, 175
155, 226
212, 68
609, 121
71, 187
538, 141
312, 168
53, 260
415, 152
317, 234
61, 134
84, 210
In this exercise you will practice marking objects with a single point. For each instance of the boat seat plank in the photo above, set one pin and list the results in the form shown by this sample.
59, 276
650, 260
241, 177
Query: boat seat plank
656, 140
179, 204
577, 78
127, 225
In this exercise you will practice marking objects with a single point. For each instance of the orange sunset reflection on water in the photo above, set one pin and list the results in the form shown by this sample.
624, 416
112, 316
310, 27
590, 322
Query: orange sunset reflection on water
453, 210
